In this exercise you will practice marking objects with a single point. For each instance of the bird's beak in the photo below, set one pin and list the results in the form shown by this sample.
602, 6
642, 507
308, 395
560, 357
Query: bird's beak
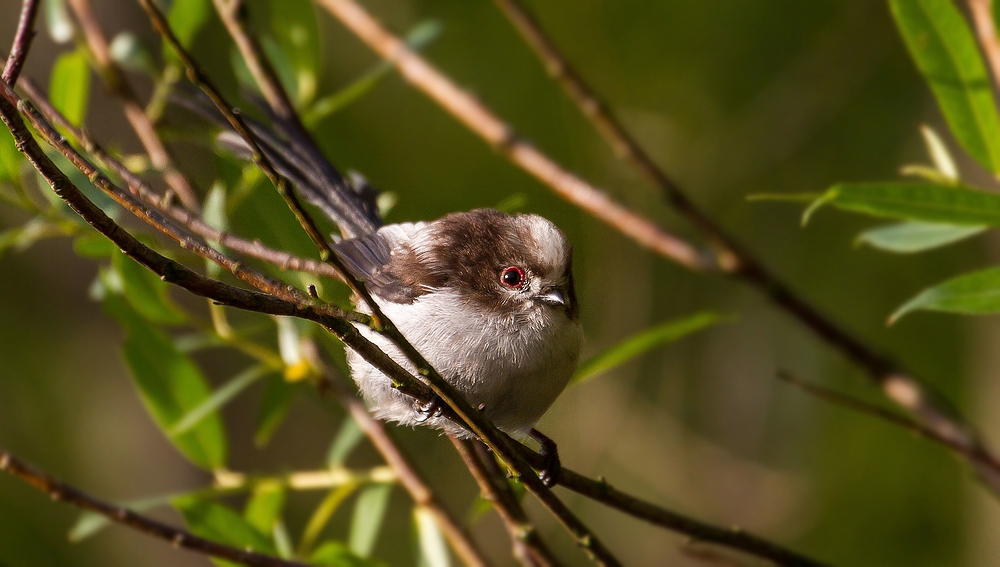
552, 296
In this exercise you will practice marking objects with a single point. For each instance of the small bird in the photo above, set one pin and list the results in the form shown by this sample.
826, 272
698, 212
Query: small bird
486, 297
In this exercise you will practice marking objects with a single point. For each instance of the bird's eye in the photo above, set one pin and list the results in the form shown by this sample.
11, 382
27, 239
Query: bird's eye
512, 277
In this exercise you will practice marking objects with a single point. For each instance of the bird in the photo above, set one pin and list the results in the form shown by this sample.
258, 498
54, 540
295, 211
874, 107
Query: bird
487, 297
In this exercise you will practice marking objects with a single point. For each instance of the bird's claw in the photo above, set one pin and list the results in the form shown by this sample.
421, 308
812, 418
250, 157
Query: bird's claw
551, 466
429, 409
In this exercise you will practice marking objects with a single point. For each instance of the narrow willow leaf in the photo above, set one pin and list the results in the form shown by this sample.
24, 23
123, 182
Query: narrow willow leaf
131, 53
90, 524
294, 27
263, 509
433, 550
10, 158
369, 512
945, 51
939, 153
347, 439
322, 514
643, 342
93, 245
170, 385
57, 21
911, 237
976, 293
69, 87
273, 408
216, 522
146, 292
337, 554
941, 204
186, 19
219, 398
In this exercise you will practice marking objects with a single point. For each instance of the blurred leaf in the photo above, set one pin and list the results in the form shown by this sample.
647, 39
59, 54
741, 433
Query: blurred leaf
20, 238
263, 510
186, 19
421, 35
976, 293
946, 54
219, 398
910, 237
69, 87
643, 342
939, 153
924, 202
481, 506
369, 511
94, 245
146, 292
512, 203
89, 524
293, 25
129, 51
57, 21
345, 442
216, 522
170, 385
433, 549
337, 554
322, 514
10, 158
273, 408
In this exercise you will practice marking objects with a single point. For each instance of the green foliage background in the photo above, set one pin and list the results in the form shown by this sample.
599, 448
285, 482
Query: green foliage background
733, 98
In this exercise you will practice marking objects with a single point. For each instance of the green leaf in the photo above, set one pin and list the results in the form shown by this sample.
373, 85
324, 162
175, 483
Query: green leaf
946, 53
90, 524
69, 87
186, 19
146, 292
337, 554
643, 342
94, 245
433, 549
293, 25
170, 386
273, 408
347, 439
57, 21
941, 204
219, 398
910, 237
263, 510
369, 511
10, 158
322, 514
976, 293
216, 522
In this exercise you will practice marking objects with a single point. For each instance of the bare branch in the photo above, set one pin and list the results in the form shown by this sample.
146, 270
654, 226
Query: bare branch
178, 538
159, 155
982, 19
22, 41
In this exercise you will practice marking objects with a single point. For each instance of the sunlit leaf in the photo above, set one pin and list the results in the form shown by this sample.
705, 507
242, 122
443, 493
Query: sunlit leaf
170, 385
22, 237
10, 158
57, 21
322, 514
911, 237
347, 439
293, 25
369, 512
263, 509
939, 153
433, 550
914, 201
976, 293
132, 53
338, 554
219, 398
216, 522
186, 19
94, 245
945, 51
146, 292
69, 87
643, 342
273, 408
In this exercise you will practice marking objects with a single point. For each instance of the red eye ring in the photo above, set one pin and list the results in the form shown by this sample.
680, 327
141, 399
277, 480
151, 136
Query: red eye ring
512, 277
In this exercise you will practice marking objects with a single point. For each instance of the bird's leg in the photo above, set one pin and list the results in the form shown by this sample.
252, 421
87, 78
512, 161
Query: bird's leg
551, 467
428, 409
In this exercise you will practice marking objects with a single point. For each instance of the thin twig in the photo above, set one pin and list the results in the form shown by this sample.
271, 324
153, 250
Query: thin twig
113, 77
928, 406
409, 477
529, 548
178, 538
982, 19
22, 41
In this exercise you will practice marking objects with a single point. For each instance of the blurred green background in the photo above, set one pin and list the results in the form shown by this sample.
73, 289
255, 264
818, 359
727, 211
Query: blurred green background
732, 98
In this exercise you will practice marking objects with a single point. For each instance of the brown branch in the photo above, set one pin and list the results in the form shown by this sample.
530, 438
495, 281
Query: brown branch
529, 548
178, 538
113, 77
982, 19
22, 41
929, 407
410, 478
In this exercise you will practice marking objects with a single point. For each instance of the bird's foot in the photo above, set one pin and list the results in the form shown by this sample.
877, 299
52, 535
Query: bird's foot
429, 409
551, 467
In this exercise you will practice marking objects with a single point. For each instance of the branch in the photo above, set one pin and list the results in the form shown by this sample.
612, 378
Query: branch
57, 490
22, 41
134, 111
529, 548
982, 18
925, 404
411, 479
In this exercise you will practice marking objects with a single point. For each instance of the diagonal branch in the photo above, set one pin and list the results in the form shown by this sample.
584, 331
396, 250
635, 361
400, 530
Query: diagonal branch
982, 19
112, 75
60, 491
926, 405
22, 41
